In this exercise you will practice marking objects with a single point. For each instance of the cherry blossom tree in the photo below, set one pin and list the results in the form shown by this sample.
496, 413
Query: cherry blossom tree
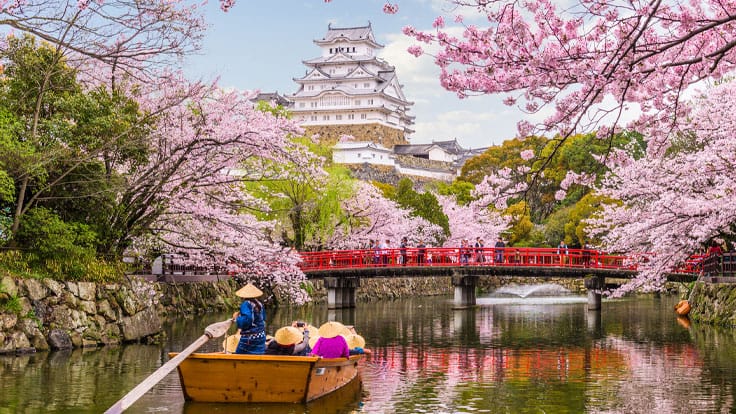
369, 215
471, 221
587, 63
675, 203
190, 195
115, 36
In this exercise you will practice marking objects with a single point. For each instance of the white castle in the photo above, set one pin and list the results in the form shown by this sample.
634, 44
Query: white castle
348, 85
349, 92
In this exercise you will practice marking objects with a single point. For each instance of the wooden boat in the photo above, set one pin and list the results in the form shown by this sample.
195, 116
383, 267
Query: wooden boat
220, 377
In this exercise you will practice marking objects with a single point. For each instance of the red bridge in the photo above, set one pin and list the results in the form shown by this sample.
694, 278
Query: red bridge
343, 269
508, 257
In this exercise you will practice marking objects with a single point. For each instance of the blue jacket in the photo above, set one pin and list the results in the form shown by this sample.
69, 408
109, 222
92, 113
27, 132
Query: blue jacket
250, 321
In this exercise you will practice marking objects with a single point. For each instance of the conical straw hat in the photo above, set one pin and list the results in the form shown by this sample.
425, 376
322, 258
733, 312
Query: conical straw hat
313, 340
355, 341
230, 344
345, 330
288, 335
249, 292
331, 329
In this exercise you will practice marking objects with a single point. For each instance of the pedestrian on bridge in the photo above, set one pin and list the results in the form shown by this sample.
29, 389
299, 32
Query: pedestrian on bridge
499, 246
562, 251
421, 251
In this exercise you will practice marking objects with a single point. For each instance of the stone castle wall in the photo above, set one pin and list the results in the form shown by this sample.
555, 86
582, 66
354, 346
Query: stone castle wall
383, 174
377, 133
416, 162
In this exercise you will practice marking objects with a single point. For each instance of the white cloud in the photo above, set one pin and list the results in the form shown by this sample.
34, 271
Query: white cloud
477, 121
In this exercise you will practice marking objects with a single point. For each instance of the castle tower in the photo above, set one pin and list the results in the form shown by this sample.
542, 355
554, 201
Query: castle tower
349, 91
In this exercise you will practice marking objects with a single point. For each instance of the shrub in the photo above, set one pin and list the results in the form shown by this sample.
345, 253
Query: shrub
50, 238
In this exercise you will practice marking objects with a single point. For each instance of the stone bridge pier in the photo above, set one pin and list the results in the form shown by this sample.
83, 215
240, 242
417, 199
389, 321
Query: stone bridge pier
341, 291
464, 290
594, 285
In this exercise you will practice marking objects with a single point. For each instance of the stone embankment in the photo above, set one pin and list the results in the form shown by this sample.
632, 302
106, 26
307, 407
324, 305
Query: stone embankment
39, 315
713, 303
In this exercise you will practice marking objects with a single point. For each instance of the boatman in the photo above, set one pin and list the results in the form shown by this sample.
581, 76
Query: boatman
251, 321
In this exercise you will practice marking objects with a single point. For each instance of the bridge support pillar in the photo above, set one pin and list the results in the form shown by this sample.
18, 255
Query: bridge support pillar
595, 284
341, 291
464, 291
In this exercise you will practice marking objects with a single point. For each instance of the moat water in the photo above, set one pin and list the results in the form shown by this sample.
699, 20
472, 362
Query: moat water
532, 354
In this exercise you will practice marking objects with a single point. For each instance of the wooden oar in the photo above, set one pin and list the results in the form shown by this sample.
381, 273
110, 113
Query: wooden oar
215, 330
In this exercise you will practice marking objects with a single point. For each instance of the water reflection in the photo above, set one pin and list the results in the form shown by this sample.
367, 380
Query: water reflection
532, 355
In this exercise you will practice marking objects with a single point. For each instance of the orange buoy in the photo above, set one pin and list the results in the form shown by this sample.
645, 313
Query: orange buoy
682, 308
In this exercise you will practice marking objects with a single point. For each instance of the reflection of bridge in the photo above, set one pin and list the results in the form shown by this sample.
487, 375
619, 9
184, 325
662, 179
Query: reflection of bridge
343, 269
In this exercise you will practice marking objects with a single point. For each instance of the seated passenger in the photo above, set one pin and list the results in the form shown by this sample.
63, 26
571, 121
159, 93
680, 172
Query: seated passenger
356, 345
330, 343
288, 341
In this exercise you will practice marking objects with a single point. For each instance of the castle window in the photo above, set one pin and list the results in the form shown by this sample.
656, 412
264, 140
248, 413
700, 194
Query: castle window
363, 116
326, 118
313, 118
357, 102
366, 85
370, 102
301, 104
338, 117
351, 116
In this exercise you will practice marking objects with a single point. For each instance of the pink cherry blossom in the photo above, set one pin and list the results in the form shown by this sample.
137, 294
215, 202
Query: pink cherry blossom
389, 8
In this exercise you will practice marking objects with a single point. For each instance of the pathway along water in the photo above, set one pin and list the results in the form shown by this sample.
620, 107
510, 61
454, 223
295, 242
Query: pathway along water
518, 355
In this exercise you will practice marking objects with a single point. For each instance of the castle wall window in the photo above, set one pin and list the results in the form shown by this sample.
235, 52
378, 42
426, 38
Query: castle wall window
370, 102
301, 104
313, 118
363, 116
351, 116
338, 117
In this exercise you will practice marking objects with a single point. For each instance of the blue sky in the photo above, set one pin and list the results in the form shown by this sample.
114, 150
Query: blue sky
261, 45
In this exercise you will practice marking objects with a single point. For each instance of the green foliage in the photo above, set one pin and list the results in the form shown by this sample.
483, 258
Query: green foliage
278, 111
423, 205
585, 208
90, 269
459, 189
11, 305
554, 230
521, 223
506, 155
49, 237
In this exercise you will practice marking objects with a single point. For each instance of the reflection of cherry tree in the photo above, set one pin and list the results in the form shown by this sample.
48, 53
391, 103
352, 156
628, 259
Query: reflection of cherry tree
663, 380
370, 215
471, 221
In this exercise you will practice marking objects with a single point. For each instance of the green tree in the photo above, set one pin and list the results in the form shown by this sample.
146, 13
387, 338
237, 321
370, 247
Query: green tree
423, 205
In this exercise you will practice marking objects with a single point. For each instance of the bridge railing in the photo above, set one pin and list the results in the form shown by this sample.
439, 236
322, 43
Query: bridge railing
444, 256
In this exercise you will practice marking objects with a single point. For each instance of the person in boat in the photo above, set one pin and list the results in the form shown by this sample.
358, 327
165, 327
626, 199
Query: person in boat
251, 320
288, 341
356, 344
330, 343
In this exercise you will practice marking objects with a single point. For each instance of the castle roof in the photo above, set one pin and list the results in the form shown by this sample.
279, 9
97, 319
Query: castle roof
274, 97
451, 147
350, 34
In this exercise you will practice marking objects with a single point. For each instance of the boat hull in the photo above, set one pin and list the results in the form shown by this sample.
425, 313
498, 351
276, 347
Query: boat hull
219, 377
